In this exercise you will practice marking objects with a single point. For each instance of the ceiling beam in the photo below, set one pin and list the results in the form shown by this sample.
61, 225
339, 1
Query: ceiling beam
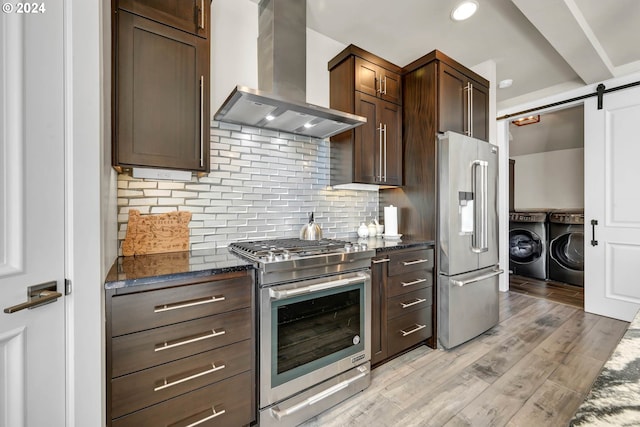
565, 28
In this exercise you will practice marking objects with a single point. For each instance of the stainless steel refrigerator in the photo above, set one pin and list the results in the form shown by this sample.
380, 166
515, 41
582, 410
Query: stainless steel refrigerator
468, 238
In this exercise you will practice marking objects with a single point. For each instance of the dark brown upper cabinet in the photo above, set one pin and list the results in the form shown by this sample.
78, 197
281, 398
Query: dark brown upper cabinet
464, 103
377, 81
364, 84
186, 15
161, 85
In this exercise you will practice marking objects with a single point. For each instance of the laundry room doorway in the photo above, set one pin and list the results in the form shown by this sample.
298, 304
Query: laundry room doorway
546, 160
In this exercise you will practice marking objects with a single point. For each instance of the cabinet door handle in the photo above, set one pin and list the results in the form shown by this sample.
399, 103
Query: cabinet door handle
380, 152
470, 109
195, 338
213, 413
418, 261
385, 85
378, 85
378, 261
201, 121
416, 329
166, 383
187, 304
415, 282
467, 90
202, 23
417, 301
385, 146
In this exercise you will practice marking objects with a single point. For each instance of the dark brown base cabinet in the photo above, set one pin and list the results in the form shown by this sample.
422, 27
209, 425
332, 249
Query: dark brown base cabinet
161, 84
366, 85
182, 351
403, 313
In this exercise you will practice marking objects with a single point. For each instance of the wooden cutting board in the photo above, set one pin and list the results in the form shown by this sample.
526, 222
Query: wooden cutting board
159, 233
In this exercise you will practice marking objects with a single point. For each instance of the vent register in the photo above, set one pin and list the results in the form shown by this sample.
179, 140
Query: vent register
279, 103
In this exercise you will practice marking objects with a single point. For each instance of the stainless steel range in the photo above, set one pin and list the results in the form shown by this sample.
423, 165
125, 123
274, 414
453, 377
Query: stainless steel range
314, 314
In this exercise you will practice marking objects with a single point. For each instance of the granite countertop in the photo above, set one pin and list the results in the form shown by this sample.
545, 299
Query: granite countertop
145, 269
614, 399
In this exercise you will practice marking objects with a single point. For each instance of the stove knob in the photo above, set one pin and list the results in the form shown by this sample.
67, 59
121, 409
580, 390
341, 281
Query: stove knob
348, 247
271, 256
286, 255
363, 246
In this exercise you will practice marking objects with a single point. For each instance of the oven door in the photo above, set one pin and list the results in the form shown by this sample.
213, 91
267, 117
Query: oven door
311, 331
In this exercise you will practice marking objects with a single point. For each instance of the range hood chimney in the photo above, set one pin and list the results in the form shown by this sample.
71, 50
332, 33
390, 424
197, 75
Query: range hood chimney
280, 102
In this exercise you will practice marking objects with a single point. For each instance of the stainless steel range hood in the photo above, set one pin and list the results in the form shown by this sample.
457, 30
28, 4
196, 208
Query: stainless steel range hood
279, 104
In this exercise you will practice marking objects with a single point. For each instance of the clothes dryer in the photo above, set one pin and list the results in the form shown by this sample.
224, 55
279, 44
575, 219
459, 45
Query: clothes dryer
566, 247
528, 244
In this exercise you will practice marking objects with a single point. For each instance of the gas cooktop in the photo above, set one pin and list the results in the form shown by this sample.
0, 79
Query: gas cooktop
291, 248
288, 259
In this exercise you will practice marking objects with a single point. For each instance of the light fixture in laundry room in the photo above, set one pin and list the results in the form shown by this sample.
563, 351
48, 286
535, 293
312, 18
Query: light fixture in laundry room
529, 120
464, 10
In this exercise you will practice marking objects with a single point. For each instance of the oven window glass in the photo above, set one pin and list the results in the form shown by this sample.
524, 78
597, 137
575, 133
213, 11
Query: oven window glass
316, 329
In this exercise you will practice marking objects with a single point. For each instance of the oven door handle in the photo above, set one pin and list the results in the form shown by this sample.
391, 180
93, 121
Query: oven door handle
286, 293
279, 414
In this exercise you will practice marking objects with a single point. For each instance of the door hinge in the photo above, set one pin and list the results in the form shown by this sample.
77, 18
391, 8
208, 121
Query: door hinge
67, 286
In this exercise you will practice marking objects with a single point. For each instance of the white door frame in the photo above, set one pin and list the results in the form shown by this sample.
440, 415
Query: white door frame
503, 142
91, 239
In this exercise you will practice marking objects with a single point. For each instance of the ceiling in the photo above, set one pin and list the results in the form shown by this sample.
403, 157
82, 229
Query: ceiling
541, 44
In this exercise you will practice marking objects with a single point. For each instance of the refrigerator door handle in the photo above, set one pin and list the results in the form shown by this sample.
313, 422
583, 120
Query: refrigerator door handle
479, 240
479, 278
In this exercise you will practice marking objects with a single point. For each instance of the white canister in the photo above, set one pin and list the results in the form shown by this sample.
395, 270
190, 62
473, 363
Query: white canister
363, 230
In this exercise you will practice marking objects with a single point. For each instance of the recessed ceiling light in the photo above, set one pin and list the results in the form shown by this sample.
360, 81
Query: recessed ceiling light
503, 84
464, 10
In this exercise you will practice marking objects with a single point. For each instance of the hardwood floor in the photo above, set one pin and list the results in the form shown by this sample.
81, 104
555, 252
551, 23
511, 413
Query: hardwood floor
547, 289
533, 369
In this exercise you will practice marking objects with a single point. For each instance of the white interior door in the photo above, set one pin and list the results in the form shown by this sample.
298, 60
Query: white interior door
612, 175
32, 341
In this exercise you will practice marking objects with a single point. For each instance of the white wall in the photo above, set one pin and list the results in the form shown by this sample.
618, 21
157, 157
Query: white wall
234, 48
553, 179
320, 50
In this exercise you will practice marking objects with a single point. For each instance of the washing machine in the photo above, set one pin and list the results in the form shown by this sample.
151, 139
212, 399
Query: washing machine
566, 247
528, 244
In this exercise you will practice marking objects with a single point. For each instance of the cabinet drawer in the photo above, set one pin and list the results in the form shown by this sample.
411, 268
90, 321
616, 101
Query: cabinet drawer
229, 399
408, 330
146, 310
409, 302
134, 352
410, 261
145, 388
409, 282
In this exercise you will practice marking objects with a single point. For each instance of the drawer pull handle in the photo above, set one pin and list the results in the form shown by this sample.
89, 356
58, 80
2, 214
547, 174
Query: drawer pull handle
186, 304
416, 329
378, 261
166, 383
213, 412
417, 301
417, 261
415, 282
172, 344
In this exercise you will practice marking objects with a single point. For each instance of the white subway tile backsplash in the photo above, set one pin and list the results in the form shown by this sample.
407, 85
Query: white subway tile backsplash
262, 185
